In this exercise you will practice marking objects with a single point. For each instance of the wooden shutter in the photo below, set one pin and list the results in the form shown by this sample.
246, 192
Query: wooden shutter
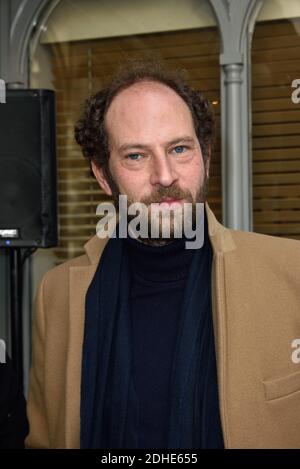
276, 129
82, 68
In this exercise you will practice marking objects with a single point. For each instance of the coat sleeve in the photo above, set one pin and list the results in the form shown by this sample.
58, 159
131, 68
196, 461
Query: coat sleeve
36, 408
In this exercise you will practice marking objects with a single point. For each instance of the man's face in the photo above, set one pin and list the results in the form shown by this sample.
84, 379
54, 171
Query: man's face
155, 155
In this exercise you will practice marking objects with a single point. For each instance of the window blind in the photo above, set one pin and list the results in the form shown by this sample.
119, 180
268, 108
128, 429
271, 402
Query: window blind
276, 128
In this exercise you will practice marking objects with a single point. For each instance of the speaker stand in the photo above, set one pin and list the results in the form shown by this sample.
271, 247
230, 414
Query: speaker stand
16, 296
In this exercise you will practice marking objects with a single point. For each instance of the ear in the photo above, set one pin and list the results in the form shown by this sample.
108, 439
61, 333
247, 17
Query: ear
207, 163
99, 175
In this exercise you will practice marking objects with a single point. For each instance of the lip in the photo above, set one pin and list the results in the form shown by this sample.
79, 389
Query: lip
170, 201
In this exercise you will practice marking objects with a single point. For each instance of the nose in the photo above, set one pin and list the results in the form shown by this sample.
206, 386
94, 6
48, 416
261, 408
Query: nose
162, 171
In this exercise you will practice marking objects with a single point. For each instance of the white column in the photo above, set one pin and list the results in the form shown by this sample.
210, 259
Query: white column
236, 19
234, 190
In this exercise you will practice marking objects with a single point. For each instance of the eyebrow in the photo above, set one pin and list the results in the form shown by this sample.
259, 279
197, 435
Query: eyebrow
130, 146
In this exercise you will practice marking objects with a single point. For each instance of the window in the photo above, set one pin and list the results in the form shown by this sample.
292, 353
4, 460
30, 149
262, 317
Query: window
276, 128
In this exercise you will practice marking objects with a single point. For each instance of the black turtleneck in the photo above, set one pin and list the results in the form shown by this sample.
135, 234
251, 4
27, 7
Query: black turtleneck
159, 275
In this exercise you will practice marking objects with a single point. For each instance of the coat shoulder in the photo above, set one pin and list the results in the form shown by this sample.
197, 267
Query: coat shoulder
264, 241
58, 276
270, 250
61, 269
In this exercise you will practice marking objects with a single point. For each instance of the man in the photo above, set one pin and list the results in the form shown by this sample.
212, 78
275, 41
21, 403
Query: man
141, 343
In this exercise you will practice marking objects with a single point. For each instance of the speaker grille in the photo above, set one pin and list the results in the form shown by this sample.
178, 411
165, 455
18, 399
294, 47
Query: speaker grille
28, 198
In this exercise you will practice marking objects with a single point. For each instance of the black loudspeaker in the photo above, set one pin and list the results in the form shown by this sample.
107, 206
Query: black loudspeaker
28, 193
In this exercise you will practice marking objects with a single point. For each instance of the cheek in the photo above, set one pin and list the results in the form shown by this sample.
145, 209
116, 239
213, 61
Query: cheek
130, 183
193, 175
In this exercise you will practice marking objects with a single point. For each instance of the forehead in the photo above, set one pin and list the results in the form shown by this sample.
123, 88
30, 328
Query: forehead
148, 109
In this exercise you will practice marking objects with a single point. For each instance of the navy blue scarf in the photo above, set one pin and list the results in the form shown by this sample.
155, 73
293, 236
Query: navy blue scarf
107, 400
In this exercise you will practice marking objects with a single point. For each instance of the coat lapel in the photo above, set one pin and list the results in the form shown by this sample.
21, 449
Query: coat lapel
80, 278
222, 243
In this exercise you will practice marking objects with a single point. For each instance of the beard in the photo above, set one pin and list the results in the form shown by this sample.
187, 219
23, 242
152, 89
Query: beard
163, 219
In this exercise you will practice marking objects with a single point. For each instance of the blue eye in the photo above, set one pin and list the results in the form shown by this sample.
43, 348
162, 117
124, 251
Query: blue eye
179, 149
133, 156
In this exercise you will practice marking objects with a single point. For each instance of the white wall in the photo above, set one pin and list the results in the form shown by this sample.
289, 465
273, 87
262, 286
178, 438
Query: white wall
87, 19
278, 9
40, 68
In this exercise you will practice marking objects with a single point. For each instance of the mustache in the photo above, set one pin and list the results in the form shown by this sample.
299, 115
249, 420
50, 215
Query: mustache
161, 193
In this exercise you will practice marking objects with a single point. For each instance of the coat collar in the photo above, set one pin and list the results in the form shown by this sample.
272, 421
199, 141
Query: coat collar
220, 237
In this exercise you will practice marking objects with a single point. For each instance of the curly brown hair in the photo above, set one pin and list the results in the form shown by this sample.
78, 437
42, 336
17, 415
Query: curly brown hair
90, 131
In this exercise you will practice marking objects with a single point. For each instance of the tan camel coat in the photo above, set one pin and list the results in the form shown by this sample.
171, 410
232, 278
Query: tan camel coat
256, 314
